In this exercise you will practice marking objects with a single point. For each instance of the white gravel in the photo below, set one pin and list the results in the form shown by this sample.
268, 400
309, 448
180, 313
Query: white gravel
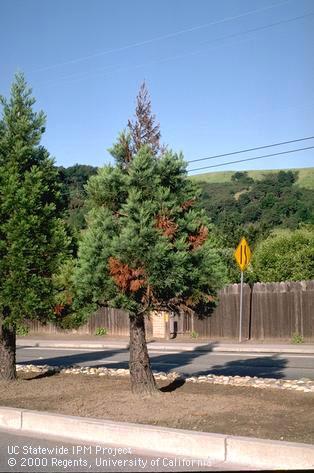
304, 384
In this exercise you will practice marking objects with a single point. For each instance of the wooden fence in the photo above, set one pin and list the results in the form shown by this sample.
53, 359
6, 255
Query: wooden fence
116, 321
270, 310
224, 321
281, 309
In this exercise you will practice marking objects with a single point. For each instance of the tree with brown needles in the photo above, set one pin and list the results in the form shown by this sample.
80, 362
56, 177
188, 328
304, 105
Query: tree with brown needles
147, 244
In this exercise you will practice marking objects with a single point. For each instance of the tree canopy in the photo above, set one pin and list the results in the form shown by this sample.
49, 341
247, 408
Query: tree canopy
147, 238
73, 196
32, 236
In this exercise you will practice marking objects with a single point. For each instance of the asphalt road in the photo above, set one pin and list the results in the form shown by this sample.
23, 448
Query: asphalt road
30, 454
188, 363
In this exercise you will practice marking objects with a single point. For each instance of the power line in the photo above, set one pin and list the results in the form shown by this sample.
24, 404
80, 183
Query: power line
158, 38
118, 68
251, 149
251, 159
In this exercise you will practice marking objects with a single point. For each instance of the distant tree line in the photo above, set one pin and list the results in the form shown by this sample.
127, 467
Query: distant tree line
257, 207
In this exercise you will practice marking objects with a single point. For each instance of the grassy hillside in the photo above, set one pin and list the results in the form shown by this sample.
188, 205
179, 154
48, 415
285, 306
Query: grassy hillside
305, 177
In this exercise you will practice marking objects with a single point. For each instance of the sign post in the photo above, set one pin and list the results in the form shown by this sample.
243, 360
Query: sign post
243, 256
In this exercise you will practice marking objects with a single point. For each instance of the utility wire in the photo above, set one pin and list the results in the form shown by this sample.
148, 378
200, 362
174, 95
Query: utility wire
117, 68
159, 38
251, 159
251, 149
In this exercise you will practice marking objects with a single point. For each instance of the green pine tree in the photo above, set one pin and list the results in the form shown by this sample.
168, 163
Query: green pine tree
32, 237
147, 246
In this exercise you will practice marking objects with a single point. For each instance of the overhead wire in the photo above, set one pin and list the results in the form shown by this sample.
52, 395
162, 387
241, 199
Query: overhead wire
157, 38
251, 149
119, 68
250, 159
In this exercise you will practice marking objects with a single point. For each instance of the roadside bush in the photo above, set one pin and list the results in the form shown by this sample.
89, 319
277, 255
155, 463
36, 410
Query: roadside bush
285, 256
101, 331
297, 338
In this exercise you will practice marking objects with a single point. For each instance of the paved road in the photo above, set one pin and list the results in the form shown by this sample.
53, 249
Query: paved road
30, 454
189, 363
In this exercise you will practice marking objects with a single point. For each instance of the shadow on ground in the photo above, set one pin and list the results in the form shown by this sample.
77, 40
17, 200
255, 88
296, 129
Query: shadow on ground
46, 374
177, 383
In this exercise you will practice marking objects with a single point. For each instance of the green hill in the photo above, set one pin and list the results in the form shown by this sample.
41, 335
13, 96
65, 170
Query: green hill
305, 176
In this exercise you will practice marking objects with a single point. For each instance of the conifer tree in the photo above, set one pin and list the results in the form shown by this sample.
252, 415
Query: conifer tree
32, 237
147, 246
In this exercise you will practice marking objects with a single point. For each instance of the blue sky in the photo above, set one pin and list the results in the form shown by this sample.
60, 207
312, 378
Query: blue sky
223, 75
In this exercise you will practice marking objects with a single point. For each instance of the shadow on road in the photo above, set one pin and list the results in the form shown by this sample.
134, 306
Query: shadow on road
264, 366
78, 358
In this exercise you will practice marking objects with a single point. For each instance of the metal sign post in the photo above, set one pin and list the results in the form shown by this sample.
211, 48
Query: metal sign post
241, 308
243, 257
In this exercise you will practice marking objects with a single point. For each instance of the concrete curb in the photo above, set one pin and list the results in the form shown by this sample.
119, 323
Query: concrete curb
75, 345
213, 447
175, 348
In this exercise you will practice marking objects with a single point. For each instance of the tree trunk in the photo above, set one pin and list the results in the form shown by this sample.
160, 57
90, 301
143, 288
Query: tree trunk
7, 352
142, 378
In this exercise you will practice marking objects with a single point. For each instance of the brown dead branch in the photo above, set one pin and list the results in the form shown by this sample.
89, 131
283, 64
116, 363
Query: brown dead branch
187, 204
126, 278
199, 238
167, 225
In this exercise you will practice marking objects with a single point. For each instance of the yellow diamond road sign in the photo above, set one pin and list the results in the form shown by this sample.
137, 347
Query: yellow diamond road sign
243, 254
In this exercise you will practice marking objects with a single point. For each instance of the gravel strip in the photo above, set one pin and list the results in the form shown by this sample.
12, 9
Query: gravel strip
303, 385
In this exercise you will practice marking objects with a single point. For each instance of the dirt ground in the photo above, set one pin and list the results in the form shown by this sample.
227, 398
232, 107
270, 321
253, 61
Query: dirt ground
252, 412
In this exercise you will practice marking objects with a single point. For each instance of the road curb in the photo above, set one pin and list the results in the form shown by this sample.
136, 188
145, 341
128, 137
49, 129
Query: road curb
258, 453
166, 347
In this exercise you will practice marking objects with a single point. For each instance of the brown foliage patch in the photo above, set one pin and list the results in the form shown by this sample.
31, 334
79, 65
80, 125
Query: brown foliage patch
197, 240
126, 278
187, 204
167, 225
